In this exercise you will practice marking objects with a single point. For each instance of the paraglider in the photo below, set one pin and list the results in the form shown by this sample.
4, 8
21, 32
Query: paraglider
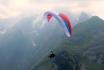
62, 19
52, 55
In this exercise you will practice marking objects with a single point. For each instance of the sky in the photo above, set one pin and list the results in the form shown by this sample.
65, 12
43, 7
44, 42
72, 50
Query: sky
9, 8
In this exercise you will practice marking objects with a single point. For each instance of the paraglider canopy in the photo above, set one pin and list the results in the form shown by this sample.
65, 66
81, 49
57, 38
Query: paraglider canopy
66, 20
63, 20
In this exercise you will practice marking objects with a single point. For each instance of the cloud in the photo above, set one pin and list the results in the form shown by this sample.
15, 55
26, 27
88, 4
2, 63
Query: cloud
17, 7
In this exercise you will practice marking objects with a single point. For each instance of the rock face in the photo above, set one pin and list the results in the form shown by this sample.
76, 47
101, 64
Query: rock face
94, 55
64, 61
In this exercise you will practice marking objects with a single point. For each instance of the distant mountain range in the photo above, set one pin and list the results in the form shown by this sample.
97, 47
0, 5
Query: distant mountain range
24, 45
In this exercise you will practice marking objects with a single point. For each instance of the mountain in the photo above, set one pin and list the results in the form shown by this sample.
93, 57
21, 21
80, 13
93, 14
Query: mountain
28, 42
86, 42
14, 44
83, 17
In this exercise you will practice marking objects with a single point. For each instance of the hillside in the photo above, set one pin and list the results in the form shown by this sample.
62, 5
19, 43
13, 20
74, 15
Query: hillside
86, 42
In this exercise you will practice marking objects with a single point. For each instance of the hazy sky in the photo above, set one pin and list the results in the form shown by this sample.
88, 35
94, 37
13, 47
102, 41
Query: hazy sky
10, 8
